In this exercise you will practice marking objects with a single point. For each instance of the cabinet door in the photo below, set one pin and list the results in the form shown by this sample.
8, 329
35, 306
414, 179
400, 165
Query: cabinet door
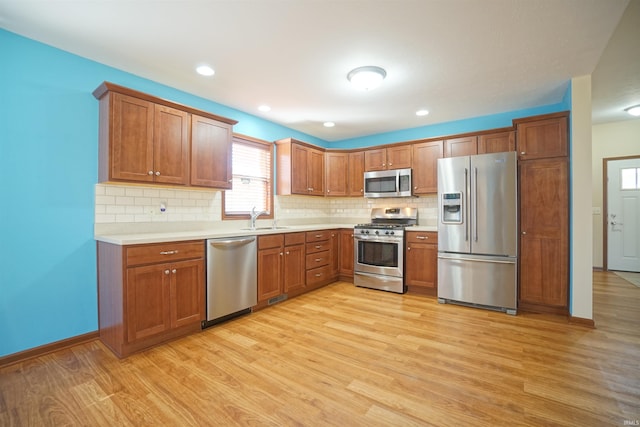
187, 292
422, 265
131, 145
147, 301
211, 150
294, 268
335, 253
467, 146
544, 226
269, 273
356, 173
170, 145
375, 160
399, 157
346, 252
315, 172
336, 177
425, 166
542, 139
299, 166
497, 142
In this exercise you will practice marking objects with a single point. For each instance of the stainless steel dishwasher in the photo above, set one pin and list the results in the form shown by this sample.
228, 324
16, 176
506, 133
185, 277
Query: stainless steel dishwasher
232, 278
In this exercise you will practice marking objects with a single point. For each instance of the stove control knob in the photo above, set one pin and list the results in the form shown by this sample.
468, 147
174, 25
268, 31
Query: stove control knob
377, 232
392, 232
386, 232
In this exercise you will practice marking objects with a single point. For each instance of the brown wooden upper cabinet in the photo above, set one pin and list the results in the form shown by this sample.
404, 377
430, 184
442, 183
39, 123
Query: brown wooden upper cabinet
356, 174
300, 168
398, 157
147, 139
466, 146
425, 166
497, 142
336, 167
542, 138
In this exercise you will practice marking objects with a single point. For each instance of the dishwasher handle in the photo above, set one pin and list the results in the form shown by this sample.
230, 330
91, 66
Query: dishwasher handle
231, 242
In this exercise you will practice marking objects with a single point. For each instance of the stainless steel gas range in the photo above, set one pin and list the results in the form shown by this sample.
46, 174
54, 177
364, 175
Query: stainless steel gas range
379, 249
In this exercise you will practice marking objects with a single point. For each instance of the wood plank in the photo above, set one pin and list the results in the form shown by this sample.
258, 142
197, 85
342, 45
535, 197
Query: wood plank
343, 355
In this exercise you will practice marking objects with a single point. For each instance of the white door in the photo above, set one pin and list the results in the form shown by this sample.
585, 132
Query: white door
623, 222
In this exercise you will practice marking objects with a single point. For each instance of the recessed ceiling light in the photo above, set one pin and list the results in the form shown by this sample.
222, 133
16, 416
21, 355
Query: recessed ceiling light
367, 78
264, 108
205, 70
422, 112
634, 110
329, 124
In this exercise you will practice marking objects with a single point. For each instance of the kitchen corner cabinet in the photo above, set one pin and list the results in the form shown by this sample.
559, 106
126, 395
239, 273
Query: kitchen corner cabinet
281, 266
397, 157
299, 167
149, 294
356, 174
421, 273
346, 254
425, 166
144, 139
336, 171
466, 146
497, 142
544, 214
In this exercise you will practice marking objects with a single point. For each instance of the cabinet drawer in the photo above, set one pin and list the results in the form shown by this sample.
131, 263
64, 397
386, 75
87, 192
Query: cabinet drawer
318, 247
422, 237
164, 252
294, 238
316, 236
270, 241
318, 259
317, 275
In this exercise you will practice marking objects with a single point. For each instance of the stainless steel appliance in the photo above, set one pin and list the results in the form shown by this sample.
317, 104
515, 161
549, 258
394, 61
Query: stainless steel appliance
389, 183
232, 278
477, 230
379, 249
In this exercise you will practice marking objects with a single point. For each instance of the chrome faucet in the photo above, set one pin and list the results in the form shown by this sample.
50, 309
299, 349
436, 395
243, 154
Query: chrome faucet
254, 216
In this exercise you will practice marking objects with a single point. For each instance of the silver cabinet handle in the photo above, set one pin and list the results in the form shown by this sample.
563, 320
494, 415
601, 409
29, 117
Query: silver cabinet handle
422, 237
318, 246
318, 259
169, 252
522, 153
318, 274
475, 202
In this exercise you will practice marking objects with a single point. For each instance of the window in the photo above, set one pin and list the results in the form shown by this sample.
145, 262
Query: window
251, 180
630, 179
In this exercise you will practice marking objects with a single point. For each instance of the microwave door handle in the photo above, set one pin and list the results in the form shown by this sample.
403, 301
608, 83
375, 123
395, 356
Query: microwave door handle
475, 204
398, 183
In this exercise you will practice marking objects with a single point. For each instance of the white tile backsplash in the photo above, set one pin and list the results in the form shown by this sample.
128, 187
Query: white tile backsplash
129, 204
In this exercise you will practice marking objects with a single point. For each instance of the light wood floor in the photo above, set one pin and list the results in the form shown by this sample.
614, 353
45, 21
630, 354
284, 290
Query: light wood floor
348, 356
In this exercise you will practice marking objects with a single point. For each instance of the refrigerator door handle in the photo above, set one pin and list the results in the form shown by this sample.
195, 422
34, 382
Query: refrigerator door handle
475, 204
466, 206
513, 261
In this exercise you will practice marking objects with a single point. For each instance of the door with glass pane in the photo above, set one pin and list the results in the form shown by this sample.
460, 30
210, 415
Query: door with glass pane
623, 219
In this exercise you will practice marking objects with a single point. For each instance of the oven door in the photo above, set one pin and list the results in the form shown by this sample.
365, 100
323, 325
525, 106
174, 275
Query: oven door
377, 255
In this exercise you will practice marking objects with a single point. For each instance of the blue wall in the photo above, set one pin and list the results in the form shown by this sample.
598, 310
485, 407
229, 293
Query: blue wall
48, 168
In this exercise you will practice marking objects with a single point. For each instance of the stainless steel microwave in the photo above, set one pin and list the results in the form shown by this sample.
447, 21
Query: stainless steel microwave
389, 183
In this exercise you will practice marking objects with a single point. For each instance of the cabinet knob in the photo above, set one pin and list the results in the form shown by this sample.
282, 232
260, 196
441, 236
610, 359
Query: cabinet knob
524, 232
409, 248
415, 188
287, 252
174, 271
390, 164
281, 254
522, 153
166, 272
362, 190
231, 180
150, 173
157, 173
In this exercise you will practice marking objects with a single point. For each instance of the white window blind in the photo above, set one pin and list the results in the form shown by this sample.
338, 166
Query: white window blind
251, 179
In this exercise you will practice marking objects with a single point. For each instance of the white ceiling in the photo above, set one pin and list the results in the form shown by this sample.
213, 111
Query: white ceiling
457, 58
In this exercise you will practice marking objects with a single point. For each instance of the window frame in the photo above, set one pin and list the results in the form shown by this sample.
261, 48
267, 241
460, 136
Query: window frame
247, 140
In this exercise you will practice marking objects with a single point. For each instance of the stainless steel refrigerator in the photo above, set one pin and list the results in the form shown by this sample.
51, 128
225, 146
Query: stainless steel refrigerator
478, 231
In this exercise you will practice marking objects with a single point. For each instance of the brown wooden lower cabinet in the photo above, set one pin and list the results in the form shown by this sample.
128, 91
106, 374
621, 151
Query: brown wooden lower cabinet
346, 254
149, 294
281, 266
319, 261
421, 262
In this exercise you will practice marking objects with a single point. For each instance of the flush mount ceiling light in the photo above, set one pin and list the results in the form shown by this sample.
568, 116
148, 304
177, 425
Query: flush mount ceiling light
264, 108
205, 70
367, 78
634, 110
328, 124
422, 112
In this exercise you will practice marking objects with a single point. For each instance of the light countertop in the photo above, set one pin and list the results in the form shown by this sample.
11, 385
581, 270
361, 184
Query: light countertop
132, 237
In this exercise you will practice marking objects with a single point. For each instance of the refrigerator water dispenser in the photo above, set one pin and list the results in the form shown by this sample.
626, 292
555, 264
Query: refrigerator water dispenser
452, 208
